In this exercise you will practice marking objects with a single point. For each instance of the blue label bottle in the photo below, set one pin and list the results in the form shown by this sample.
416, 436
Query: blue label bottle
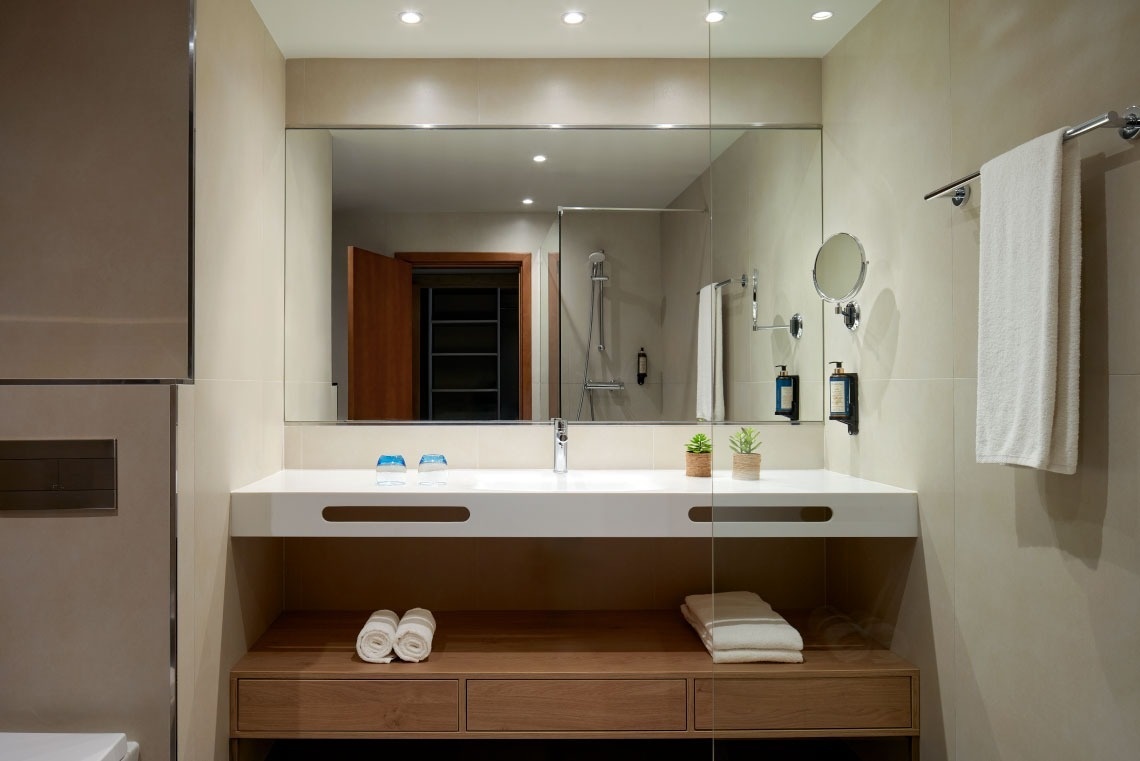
788, 394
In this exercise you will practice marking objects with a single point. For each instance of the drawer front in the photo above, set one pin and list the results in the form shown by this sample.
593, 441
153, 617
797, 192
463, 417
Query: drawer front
347, 705
809, 703
581, 705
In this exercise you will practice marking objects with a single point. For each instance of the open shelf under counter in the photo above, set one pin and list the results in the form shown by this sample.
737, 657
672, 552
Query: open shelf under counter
511, 674
583, 503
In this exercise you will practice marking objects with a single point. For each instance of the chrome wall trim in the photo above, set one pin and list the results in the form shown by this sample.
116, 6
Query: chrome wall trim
96, 381
173, 573
732, 126
622, 208
192, 73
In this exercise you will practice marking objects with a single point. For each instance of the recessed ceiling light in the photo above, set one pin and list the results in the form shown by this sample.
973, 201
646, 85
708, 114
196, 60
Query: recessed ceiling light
411, 17
539, 159
714, 17
573, 17
821, 15
528, 201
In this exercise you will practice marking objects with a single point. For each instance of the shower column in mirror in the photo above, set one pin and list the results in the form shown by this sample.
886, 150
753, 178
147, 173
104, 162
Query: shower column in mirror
613, 304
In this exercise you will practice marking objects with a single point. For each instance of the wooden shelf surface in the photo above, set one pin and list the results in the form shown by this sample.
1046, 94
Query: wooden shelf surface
619, 644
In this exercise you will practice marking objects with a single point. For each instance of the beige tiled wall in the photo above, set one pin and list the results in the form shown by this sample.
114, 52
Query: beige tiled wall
886, 106
592, 445
356, 92
231, 591
85, 597
1047, 565
93, 224
1021, 600
771, 90
309, 394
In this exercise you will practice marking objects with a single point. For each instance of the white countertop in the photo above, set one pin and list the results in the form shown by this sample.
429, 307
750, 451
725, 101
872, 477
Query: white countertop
582, 503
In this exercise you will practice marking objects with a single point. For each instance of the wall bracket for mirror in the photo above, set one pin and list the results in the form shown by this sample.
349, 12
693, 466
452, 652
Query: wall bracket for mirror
794, 326
850, 313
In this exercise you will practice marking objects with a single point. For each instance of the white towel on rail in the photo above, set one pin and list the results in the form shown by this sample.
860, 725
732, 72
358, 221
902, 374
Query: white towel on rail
1029, 298
414, 635
710, 355
377, 638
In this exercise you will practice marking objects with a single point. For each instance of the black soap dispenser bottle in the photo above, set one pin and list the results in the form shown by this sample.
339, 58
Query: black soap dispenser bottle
642, 366
788, 395
844, 396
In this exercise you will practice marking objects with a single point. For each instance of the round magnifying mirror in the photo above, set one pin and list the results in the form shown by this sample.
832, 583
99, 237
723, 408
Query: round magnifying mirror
840, 267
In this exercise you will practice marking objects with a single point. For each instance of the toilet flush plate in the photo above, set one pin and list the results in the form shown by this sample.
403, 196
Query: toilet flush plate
51, 746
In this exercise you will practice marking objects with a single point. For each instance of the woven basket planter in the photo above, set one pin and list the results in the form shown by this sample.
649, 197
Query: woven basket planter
746, 467
699, 465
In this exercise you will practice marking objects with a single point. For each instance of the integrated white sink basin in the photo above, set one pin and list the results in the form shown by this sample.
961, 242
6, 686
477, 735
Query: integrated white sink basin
574, 481
581, 503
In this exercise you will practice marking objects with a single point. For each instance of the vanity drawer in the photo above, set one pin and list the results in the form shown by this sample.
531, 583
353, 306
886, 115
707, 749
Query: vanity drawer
804, 703
582, 705
347, 705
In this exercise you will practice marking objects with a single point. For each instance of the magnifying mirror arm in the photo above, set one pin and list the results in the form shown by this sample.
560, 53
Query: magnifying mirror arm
794, 326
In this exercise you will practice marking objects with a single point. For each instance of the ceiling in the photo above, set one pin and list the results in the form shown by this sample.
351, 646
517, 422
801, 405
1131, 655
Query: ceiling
485, 170
533, 29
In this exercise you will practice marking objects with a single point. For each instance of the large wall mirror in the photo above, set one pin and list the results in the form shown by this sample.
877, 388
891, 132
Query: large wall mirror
453, 274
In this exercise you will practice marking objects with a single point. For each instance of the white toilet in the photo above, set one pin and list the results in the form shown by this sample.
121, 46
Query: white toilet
48, 746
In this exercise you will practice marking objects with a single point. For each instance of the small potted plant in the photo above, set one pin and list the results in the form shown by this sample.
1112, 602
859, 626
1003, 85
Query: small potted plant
745, 458
698, 456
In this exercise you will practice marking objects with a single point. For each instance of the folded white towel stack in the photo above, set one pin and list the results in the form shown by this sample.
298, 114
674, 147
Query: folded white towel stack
376, 640
1029, 306
740, 627
414, 635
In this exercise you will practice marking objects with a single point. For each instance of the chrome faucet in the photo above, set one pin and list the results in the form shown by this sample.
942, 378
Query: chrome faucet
560, 444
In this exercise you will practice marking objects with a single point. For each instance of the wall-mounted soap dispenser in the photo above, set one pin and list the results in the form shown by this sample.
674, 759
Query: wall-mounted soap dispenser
844, 388
642, 366
788, 395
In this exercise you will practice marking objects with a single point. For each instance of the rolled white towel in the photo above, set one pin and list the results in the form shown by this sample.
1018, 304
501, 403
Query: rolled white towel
414, 635
376, 640
742, 620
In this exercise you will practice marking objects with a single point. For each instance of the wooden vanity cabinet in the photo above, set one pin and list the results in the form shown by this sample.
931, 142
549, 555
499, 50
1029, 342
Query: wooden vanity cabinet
555, 674
563, 674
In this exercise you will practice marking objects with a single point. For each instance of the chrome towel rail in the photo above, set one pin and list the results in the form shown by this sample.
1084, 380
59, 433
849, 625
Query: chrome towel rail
726, 281
1129, 125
